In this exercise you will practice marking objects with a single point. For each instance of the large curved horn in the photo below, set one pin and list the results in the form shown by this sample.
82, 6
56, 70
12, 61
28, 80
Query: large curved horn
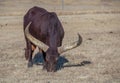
70, 46
34, 40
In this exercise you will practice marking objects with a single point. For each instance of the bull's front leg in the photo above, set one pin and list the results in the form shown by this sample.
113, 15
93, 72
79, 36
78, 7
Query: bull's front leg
44, 57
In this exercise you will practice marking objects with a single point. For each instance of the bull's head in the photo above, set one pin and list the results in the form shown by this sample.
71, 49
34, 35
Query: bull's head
51, 54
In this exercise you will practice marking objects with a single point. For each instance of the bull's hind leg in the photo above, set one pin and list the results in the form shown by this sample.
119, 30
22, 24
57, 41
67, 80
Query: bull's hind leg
31, 50
28, 52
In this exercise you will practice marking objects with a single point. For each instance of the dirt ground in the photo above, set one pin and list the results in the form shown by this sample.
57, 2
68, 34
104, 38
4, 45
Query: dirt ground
98, 24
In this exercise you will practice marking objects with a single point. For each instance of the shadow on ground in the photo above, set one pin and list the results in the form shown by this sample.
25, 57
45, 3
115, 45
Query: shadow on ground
38, 60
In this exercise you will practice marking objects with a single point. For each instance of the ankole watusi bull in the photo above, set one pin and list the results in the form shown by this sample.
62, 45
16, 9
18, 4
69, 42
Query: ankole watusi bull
43, 29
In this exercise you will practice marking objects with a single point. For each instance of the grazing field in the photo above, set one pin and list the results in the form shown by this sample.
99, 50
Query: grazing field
96, 60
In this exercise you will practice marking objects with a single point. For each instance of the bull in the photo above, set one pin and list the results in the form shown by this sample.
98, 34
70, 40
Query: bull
44, 30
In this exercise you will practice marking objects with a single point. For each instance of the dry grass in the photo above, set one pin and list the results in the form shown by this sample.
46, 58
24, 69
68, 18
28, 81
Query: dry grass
100, 46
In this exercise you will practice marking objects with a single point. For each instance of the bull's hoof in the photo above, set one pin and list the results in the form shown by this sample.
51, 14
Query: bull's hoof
44, 67
30, 64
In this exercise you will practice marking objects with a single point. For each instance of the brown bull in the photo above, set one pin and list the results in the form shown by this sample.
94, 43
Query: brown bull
44, 30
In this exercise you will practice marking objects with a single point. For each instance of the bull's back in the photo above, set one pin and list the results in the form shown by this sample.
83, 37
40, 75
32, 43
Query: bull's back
32, 14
